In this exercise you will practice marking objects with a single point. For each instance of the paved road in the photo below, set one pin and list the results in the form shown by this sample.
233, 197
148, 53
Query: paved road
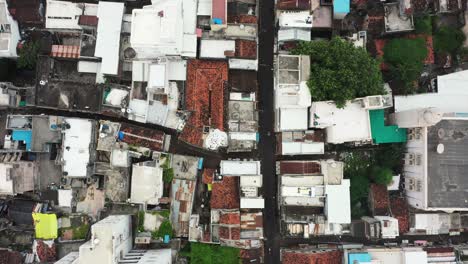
267, 141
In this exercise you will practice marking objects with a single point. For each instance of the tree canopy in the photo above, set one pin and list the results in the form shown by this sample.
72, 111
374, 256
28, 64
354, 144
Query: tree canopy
164, 229
405, 59
339, 71
28, 55
212, 254
383, 176
448, 39
423, 25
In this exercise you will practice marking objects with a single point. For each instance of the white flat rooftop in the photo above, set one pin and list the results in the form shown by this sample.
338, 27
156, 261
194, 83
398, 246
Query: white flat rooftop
302, 148
338, 204
237, 167
216, 48
147, 184
252, 203
110, 16
76, 141
167, 27
347, 124
292, 118
65, 15
452, 95
301, 19
447, 103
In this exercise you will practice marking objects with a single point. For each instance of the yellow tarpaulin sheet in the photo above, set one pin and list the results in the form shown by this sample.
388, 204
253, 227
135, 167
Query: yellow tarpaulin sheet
46, 225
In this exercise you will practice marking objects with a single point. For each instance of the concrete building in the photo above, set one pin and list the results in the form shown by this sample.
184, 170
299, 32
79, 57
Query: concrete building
165, 28
436, 148
314, 198
155, 96
78, 139
111, 243
110, 17
243, 123
292, 96
147, 183
375, 228
17, 177
239, 168
398, 18
406, 255
62, 15
9, 32
361, 120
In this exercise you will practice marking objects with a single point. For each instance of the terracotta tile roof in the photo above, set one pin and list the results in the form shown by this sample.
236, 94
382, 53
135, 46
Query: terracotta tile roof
299, 167
26, 11
243, 19
433, 250
208, 175
225, 194
246, 49
379, 201
230, 218
144, 137
88, 20
10, 257
325, 257
250, 254
375, 24
400, 211
419, 6
235, 233
229, 233
251, 220
380, 44
205, 98
46, 253
224, 232
65, 51
293, 4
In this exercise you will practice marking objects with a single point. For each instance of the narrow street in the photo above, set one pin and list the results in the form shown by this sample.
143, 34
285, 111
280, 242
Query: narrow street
267, 139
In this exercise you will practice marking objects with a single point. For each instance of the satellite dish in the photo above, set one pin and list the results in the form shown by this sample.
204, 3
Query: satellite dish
440, 148
129, 53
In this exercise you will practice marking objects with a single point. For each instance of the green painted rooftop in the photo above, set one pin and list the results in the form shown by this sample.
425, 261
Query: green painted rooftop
382, 133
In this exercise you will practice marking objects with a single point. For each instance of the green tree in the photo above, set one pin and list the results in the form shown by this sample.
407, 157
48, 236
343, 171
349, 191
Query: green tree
213, 254
339, 71
164, 229
141, 221
28, 55
448, 39
423, 25
405, 59
383, 176
168, 175
359, 187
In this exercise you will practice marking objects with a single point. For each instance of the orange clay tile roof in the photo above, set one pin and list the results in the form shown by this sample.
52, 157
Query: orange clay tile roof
204, 98
326, 257
379, 196
400, 211
230, 218
244, 19
380, 44
208, 175
225, 194
246, 49
229, 233
142, 137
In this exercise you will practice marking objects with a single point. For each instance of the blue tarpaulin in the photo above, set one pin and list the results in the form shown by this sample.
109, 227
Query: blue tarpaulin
341, 6
121, 135
23, 135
